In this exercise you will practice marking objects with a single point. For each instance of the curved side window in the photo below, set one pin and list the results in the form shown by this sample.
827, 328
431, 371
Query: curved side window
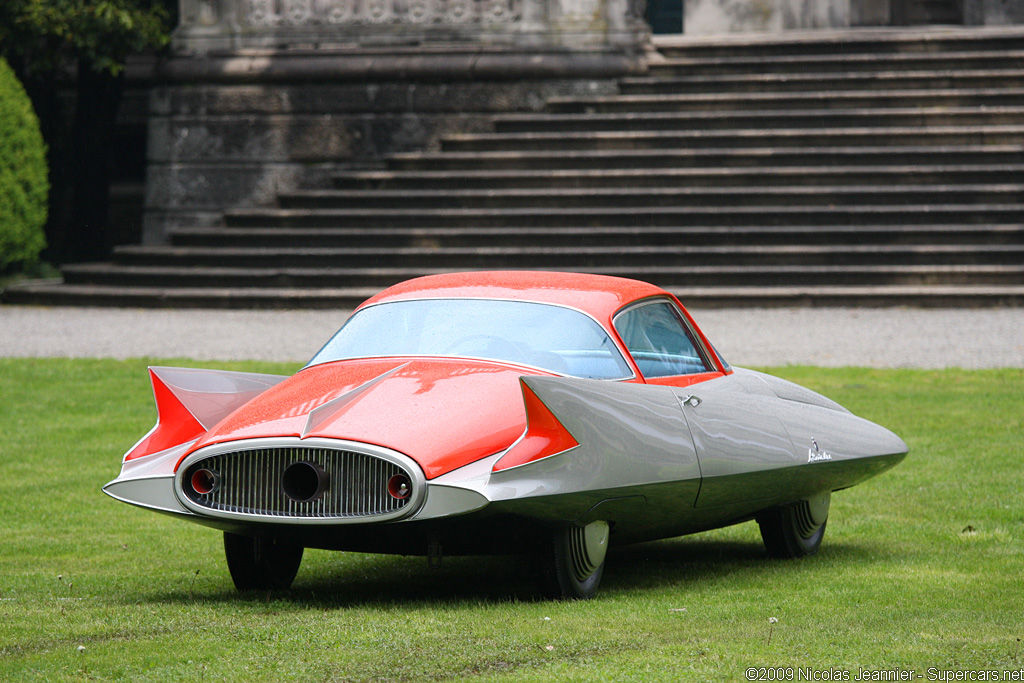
561, 340
660, 341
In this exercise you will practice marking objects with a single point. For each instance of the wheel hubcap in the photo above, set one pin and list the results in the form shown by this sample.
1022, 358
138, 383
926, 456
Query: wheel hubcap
587, 548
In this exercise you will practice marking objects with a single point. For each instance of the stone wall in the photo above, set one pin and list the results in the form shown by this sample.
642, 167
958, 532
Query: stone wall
235, 130
712, 17
993, 12
264, 96
715, 17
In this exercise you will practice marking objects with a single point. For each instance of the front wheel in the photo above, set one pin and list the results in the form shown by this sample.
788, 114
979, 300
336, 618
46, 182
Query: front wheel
576, 561
795, 530
261, 564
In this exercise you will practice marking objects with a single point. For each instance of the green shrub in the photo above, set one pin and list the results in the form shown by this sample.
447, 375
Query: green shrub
24, 186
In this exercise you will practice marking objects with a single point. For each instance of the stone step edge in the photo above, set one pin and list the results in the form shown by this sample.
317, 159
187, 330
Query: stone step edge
836, 79
831, 39
739, 170
611, 231
584, 192
769, 77
916, 94
866, 210
405, 273
934, 150
242, 252
599, 135
811, 60
697, 115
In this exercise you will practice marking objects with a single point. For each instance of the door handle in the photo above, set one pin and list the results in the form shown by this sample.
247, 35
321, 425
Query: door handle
690, 400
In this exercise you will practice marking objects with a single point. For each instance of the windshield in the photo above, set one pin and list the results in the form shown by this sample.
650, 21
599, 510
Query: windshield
549, 337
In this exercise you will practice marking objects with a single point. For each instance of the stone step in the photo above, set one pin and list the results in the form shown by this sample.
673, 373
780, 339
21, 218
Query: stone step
648, 197
366, 279
921, 296
187, 297
766, 82
594, 236
730, 120
772, 101
557, 258
979, 60
687, 177
799, 138
749, 157
644, 216
825, 43
874, 167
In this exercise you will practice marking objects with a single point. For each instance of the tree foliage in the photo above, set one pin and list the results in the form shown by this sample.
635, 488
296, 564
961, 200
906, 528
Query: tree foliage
23, 179
44, 34
79, 47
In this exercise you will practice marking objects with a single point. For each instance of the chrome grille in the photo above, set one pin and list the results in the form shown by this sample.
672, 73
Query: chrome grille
251, 482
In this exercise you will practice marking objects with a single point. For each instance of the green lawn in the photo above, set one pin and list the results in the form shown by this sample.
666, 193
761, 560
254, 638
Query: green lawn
921, 567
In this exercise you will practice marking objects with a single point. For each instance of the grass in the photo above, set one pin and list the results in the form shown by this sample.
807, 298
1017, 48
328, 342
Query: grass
920, 568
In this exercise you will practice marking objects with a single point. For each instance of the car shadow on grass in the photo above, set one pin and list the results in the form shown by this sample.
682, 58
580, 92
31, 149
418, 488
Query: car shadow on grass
349, 580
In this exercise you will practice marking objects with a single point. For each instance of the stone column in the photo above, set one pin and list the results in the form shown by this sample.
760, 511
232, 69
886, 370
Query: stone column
993, 12
711, 17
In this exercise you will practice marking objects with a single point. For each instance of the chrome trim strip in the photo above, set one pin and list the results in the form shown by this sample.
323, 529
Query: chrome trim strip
347, 503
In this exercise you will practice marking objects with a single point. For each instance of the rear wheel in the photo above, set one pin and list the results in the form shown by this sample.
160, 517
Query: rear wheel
795, 530
576, 561
261, 564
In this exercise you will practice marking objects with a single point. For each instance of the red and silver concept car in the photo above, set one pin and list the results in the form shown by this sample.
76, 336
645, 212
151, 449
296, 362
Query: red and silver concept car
482, 413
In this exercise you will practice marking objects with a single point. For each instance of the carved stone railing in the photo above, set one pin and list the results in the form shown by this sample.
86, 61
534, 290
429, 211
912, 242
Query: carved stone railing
370, 12
207, 25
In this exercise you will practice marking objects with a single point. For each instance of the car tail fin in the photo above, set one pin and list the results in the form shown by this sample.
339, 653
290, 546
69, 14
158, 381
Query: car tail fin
544, 437
190, 401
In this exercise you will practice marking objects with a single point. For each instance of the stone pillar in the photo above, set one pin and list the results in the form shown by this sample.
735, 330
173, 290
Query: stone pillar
870, 12
264, 96
711, 17
993, 12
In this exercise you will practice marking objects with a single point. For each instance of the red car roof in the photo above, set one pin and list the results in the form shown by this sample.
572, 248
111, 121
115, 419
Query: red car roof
598, 295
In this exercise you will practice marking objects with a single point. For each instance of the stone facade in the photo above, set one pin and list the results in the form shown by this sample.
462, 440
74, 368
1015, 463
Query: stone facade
264, 96
223, 145
993, 12
715, 17
208, 25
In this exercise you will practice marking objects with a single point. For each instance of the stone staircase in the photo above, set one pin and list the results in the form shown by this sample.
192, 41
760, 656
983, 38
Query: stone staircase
870, 168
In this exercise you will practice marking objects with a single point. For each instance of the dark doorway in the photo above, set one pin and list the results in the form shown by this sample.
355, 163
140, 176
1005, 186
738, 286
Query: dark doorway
925, 12
665, 16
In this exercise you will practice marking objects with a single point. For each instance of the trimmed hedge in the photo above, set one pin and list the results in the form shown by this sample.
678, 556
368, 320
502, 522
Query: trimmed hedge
24, 186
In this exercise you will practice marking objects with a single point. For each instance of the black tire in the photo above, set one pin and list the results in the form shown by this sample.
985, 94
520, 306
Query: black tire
261, 564
795, 530
576, 561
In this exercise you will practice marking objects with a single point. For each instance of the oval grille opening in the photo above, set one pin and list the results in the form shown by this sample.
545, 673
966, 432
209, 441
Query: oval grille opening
299, 482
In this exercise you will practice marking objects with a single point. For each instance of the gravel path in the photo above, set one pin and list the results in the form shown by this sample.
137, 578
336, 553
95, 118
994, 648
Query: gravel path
893, 338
